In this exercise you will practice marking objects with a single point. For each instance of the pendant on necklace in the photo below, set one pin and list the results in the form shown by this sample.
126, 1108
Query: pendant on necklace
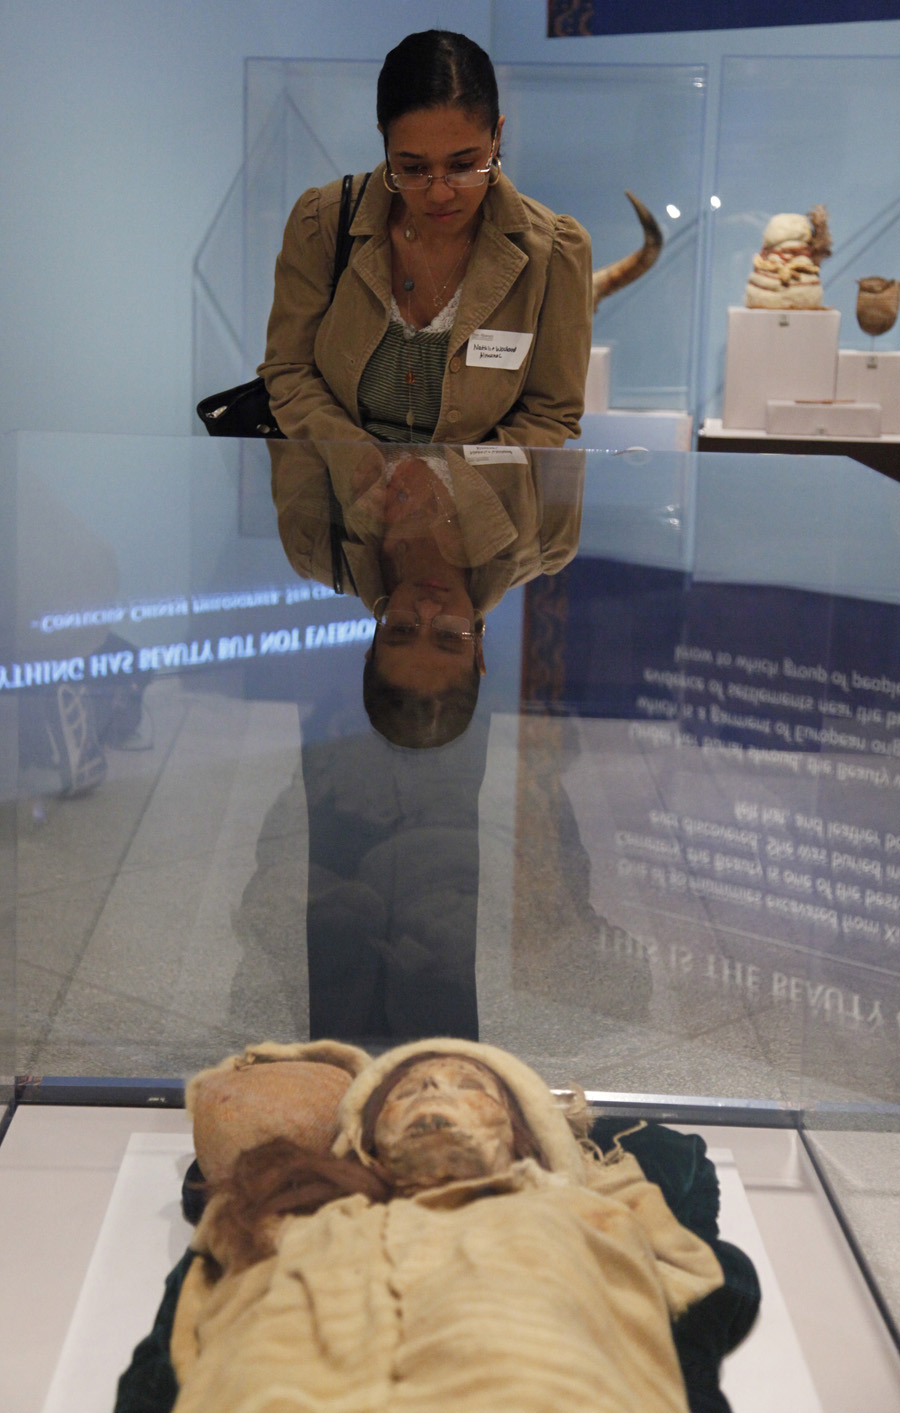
409, 284
410, 376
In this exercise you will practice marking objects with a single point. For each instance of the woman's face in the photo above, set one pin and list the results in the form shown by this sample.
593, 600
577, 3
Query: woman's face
444, 1120
441, 141
423, 661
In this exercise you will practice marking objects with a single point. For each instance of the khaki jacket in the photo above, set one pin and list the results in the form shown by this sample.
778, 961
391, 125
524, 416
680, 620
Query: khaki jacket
530, 272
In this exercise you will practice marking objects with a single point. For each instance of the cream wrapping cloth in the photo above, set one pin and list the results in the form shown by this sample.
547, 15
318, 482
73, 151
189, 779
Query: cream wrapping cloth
534, 1291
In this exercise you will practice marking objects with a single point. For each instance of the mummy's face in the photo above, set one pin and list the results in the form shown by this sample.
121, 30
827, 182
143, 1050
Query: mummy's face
445, 1119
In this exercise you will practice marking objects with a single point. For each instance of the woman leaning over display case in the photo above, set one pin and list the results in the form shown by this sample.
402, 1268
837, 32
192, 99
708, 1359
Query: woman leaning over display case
464, 314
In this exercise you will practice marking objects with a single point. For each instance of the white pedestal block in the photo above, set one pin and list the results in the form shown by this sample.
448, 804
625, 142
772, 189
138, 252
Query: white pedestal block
872, 377
823, 419
596, 388
785, 355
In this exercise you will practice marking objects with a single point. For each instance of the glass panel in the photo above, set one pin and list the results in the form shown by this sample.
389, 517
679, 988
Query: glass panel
8, 771
680, 762
309, 122
638, 128
791, 132
654, 848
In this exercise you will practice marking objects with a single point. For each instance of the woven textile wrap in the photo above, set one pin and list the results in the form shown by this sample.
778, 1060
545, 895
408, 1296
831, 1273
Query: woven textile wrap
544, 1286
551, 1285
270, 1091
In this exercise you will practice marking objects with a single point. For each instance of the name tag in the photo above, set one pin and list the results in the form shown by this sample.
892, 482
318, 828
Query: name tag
490, 454
497, 348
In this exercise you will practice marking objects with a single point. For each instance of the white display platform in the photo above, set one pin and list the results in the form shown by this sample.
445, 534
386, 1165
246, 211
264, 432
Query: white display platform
142, 1236
619, 431
785, 354
596, 388
713, 427
872, 377
134, 1252
90, 1222
768, 1371
847, 420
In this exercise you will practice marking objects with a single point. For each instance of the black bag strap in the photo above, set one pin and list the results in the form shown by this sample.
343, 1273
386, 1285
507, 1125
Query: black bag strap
344, 242
343, 246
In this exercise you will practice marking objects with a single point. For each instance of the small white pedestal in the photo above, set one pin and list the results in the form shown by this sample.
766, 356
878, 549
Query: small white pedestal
823, 419
872, 377
596, 388
788, 355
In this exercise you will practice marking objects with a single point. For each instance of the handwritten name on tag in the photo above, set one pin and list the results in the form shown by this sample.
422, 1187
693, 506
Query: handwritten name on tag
490, 453
497, 348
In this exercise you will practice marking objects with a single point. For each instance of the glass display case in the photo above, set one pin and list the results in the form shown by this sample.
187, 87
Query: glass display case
308, 122
578, 136
654, 852
794, 133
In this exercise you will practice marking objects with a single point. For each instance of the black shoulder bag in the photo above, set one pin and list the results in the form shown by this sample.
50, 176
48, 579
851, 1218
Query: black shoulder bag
244, 411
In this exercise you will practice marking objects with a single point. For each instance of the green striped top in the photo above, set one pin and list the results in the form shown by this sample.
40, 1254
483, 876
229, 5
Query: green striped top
400, 390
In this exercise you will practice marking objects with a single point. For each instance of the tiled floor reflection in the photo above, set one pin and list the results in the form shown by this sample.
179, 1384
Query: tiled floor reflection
864, 1171
128, 896
162, 919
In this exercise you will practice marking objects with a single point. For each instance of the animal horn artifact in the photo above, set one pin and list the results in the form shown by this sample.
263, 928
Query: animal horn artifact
626, 271
877, 304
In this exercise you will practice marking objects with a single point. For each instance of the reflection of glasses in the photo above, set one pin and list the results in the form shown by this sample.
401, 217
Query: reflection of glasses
421, 181
401, 624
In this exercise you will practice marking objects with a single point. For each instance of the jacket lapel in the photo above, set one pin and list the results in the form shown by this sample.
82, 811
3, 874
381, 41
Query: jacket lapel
496, 261
496, 265
371, 258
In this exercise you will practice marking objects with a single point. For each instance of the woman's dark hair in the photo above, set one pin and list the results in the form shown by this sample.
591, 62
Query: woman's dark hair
415, 719
433, 69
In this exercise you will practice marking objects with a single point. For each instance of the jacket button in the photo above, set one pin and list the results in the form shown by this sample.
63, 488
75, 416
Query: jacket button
453, 415
455, 364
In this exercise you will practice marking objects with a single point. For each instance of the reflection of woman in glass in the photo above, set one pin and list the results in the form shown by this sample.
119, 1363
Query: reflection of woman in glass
463, 316
444, 247
430, 542
420, 683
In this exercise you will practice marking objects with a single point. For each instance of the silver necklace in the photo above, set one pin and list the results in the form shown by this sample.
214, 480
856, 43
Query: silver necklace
409, 283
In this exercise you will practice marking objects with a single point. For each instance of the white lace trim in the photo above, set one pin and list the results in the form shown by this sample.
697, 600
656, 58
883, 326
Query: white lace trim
442, 322
433, 460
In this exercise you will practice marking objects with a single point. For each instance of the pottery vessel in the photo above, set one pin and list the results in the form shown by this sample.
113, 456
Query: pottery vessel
877, 304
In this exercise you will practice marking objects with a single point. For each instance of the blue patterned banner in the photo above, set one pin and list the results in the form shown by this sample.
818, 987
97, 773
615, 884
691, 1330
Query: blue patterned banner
571, 18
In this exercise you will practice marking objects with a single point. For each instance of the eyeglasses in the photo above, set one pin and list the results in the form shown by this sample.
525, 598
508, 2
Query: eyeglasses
401, 625
458, 181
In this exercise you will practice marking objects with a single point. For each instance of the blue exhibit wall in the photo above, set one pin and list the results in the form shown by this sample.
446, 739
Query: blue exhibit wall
124, 130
